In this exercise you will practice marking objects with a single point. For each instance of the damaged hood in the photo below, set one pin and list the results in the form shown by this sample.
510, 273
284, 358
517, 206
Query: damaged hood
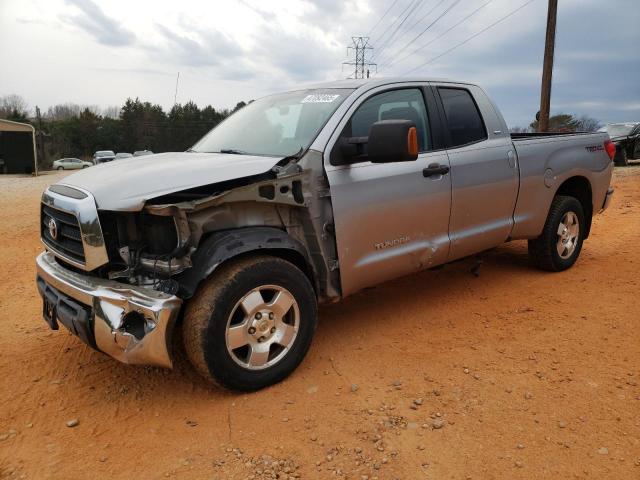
127, 184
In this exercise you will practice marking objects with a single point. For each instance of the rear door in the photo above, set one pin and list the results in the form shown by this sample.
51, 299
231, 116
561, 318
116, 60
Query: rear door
390, 219
484, 173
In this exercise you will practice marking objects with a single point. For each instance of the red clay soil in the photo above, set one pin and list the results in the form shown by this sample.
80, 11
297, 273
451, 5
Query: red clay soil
516, 374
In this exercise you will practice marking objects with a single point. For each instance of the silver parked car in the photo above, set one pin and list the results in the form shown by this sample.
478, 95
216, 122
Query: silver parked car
121, 155
302, 198
103, 156
71, 164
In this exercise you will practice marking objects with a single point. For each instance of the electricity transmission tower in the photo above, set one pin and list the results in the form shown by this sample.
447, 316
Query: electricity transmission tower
360, 64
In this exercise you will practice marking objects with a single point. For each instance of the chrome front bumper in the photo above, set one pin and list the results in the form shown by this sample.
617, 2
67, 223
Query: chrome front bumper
108, 303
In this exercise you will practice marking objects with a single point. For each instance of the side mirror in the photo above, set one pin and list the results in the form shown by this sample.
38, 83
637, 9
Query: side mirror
392, 141
388, 141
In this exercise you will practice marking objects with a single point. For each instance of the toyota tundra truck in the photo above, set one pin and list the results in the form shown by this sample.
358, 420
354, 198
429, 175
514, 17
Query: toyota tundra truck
299, 199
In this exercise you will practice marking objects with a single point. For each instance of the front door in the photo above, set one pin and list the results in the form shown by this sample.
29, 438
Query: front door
390, 219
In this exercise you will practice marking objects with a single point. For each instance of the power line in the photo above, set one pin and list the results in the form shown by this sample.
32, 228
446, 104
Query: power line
390, 40
393, 62
379, 39
413, 6
382, 18
470, 38
424, 30
425, 15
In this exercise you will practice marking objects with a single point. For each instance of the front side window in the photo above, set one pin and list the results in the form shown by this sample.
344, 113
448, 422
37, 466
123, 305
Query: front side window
406, 104
278, 125
463, 117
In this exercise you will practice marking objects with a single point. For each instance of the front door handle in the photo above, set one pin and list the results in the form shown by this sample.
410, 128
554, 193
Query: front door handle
435, 169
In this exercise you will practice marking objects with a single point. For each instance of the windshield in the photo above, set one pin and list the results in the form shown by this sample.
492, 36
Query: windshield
278, 125
619, 130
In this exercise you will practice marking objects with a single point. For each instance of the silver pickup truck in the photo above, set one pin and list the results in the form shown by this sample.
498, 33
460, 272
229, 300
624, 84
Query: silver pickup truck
302, 198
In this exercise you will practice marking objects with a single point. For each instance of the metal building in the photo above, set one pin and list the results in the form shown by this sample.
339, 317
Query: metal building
17, 148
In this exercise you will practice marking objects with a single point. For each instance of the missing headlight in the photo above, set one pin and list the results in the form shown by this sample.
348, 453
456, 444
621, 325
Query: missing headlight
159, 234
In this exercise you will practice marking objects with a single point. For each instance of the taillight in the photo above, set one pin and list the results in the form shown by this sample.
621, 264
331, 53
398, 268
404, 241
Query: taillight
610, 148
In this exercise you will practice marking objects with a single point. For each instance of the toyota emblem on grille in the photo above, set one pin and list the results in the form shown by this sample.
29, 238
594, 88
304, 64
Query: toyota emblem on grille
53, 228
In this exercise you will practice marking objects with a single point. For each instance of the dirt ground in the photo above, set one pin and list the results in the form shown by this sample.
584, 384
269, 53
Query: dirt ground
515, 374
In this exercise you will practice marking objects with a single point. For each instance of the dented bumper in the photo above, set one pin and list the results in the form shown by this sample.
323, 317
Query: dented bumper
129, 323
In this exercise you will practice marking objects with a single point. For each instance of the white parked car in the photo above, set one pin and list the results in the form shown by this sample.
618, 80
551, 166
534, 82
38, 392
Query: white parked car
141, 153
71, 164
121, 155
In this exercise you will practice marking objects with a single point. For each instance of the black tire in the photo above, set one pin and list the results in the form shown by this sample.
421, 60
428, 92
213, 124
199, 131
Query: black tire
60, 168
621, 160
543, 251
210, 309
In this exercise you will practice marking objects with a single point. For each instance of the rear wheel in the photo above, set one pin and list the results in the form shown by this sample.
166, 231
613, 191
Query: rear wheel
251, 324
560, 243
621, 159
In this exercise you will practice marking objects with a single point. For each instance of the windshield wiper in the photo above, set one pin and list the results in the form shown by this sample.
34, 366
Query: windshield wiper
232, 151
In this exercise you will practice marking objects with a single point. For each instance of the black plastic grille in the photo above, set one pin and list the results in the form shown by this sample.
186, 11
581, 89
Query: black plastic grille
69, 238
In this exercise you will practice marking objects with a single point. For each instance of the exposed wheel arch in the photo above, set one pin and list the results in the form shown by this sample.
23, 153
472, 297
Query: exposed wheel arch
579, 188
220, 247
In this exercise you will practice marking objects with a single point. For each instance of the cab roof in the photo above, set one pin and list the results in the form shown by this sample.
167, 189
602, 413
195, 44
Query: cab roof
378, 82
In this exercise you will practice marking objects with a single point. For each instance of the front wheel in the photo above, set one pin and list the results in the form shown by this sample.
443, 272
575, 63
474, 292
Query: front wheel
560, 243
60, 168
251, 324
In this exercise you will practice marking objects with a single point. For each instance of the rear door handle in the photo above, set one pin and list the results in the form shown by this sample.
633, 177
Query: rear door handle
435, 169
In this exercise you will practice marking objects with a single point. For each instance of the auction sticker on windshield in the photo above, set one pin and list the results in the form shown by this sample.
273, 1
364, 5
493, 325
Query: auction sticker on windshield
319, 98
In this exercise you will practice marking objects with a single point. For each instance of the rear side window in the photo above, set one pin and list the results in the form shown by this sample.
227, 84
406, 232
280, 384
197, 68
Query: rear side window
463, 117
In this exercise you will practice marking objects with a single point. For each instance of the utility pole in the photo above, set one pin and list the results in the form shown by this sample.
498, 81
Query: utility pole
40, 138
360, 45
547, 68
175, 95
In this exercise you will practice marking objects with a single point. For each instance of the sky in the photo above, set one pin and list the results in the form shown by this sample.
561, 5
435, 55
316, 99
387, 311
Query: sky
100, 52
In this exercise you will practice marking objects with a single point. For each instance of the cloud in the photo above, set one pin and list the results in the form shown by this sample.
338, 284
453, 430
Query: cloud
95, 22
134, 71
295, 56
263, 13
240, 49
198, 48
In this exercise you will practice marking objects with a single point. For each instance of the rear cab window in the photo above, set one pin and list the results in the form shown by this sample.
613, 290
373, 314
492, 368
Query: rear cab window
463, 118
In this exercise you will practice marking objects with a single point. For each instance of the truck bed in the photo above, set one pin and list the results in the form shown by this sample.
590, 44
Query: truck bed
547, 159
527, 136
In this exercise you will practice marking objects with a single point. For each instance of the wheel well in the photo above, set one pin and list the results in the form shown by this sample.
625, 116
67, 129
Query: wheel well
291, 256
580, 189
222, 246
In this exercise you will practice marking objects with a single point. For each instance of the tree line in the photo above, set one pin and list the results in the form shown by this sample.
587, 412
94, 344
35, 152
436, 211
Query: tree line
71, 130
563, 122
